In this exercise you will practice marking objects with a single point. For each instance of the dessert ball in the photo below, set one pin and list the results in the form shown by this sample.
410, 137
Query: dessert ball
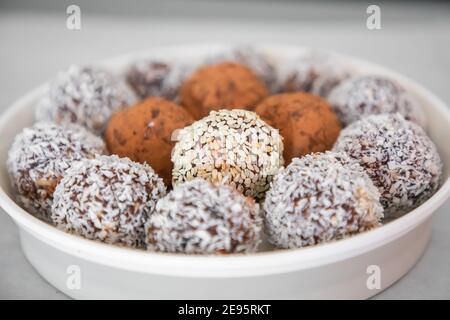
152, 77
84, 95
305, 121
258, 61
107, 199
401, 160
143, 133
231, 146
40, 156
225, 85
314, 73
199, 217
366, 95
319, 198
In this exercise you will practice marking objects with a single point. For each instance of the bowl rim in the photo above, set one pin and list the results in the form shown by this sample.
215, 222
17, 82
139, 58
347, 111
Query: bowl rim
232, 265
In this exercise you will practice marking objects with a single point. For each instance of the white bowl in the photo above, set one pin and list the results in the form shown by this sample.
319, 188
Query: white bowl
343, 269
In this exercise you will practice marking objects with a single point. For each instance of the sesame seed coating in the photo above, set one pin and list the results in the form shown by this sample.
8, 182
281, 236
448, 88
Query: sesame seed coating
107, 199
198, 217
319, 198
397, 154
40, 156
232, 146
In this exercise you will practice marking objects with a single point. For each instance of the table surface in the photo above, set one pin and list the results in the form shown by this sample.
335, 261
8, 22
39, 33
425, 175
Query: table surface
35, 46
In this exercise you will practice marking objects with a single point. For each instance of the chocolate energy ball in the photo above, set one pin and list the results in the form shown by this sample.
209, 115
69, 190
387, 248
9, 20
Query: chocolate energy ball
153, 77
314, 73
201, 218
401, 160
305, 121
40, 156
366, 95
84, 95
319, 198
231, 146
257, 60
107, 199
225, 85
143, 133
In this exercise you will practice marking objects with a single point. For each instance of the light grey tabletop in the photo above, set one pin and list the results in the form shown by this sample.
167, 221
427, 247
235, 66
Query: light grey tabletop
34, 46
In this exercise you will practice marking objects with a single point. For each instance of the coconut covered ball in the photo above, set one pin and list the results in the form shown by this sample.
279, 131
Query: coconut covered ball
143, 133
306, 122
87, 96
198, 217
401, 160
366, 95
256, 59
153, 77
40, 156
225, 85
314, 73
231, 146
319, 198
107, 199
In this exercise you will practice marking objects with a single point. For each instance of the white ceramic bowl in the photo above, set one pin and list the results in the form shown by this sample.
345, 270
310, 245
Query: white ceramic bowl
340, 269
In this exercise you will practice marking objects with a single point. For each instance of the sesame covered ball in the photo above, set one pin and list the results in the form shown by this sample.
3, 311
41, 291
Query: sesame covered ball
306, 122
225, 85
366, 95
144, 131
107, 199
198, 217
40, 156
319, 198
231, 146
314, 73
84, 95
153, 77
256, 59
401, 160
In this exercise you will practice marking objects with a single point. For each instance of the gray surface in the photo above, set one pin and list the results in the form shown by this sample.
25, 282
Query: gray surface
413, 42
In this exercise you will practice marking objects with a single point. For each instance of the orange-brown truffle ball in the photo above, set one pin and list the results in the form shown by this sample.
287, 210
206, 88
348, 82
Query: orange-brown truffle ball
306, 122
225, 85
143, 133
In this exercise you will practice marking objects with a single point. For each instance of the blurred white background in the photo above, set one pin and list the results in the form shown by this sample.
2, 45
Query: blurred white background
35, 44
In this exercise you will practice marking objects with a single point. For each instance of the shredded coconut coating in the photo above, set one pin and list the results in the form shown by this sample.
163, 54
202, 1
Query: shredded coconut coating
198, 217
84, 95
231, 146
315, 73
319, 198
40, 156
150, 77
107, 199
258, 61
366, 95
401, 160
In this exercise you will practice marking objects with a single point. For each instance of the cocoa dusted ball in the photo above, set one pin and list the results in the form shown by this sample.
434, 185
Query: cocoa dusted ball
226, 85
107, 199
319, 198
314, 73
361, 96
84, 95
231, 146
398, 156
40, 156
260, 62
305, 121
143, 133
198, 217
